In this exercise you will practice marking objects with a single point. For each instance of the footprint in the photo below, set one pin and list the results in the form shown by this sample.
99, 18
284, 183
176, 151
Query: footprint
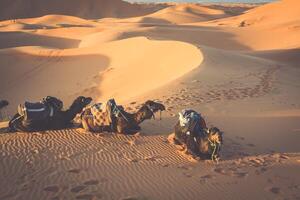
208, 176
86, 197
220, 171
241, 174
188, 175
75, 171
56, 198
78, 188
91, 182
129, 198
52, 188
274, 190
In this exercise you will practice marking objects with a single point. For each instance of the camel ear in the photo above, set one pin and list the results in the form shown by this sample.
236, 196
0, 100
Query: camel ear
148, 102
87, 100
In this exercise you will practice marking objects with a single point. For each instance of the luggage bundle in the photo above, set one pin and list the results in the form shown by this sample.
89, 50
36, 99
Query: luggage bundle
32, 112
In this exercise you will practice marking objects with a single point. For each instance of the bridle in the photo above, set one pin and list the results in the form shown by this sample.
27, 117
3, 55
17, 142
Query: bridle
215, 145
153, 112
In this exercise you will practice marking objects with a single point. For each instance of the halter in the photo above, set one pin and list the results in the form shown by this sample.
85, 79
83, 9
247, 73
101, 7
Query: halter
216, 147
152, 112
117, 111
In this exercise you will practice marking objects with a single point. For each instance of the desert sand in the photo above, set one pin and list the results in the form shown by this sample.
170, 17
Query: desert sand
237, 64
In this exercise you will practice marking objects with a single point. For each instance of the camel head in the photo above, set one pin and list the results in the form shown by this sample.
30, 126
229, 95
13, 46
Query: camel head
81, 102
3, 103
211, 143
151, 107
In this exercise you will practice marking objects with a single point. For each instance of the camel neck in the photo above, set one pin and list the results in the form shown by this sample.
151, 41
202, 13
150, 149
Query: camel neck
71, 112
140, 115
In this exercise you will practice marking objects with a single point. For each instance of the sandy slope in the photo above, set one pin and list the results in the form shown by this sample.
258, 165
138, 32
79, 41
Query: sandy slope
271, 26
241, 78
110, 66
183, 13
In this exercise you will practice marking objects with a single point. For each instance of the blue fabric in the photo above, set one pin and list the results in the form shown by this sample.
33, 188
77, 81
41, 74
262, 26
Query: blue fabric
189, 120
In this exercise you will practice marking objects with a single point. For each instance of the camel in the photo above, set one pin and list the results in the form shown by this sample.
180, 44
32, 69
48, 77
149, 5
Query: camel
3, 103
124, 123
200, 142
60, 120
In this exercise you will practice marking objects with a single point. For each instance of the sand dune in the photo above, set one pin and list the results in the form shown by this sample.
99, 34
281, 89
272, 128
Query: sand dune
282, 12
184, 13
237, 64
111, 67
280, 19
156, 70
91, 9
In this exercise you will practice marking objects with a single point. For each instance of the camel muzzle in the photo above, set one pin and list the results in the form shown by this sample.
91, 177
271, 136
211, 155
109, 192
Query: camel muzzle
88, 100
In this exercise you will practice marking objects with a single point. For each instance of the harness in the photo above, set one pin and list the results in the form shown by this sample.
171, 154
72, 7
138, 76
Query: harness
105, 114
186, 119
153, 113
116, 112
216, 147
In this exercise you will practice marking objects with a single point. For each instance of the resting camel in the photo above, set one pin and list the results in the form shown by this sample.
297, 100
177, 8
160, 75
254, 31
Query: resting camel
61, 119
125, 123
3, 103
199, 142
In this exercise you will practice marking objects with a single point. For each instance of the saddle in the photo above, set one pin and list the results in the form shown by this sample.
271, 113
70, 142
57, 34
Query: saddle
105, 114
37, 111
190, 121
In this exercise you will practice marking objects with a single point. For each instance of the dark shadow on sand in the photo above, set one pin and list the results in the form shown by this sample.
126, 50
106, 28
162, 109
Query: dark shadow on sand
191, 34
44, 75
18, 38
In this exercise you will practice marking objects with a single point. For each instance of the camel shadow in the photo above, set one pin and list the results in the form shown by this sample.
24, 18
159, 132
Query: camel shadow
197, 35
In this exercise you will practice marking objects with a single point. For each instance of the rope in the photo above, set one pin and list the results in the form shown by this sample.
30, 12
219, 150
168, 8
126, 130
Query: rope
214, 155
119, 112
153, 115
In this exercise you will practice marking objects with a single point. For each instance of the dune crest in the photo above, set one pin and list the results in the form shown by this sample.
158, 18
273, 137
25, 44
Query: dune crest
151, 65
89, 9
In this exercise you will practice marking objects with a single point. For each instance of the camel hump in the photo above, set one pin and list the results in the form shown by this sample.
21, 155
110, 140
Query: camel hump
3, 103
35, 111
188, 116
54, 102
105, 113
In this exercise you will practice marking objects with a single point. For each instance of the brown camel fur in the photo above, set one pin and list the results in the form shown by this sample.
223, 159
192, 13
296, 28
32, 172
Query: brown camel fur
3, 103
62, 119
126, 123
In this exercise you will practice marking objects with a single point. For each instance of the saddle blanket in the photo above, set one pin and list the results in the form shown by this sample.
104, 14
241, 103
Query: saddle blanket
100, 114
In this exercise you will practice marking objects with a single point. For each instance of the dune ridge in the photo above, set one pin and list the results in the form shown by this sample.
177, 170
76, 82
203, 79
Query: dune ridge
91, 9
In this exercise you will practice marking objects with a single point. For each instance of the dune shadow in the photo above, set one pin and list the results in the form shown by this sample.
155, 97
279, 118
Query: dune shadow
153, 21
231, 10
285, 56
26, 26
197, 35
62, 25
18, 38
32, 77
